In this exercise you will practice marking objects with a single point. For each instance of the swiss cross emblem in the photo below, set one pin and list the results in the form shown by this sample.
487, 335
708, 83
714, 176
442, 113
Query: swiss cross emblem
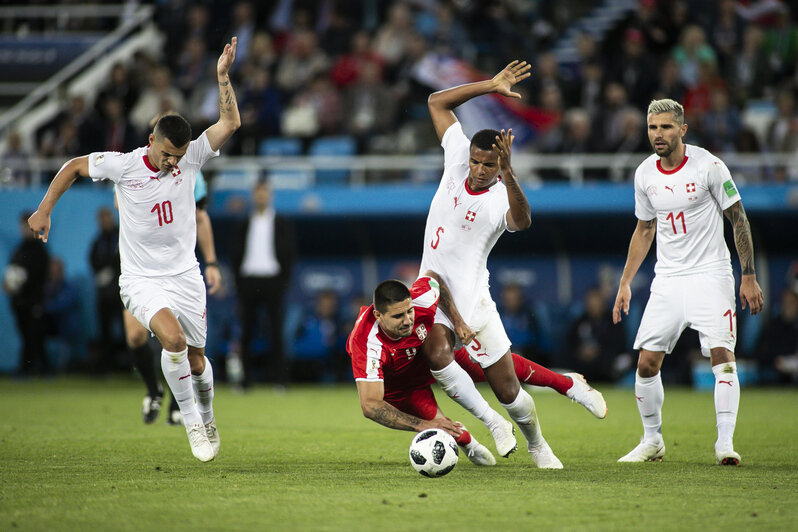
176, 171
690, 187
421, 332
470, 215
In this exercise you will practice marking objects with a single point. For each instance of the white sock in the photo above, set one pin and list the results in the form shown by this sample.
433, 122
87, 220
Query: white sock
177, 372
727, 399
650, 395
522, 411
203, 389
458, 385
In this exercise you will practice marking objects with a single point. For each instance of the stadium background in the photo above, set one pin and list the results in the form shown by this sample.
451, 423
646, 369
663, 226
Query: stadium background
333, 98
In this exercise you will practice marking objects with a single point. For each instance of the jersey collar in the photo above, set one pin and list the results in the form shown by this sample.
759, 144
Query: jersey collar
669, 172
148, 164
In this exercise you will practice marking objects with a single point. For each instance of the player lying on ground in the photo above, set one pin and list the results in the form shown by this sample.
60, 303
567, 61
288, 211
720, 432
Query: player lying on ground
394, 383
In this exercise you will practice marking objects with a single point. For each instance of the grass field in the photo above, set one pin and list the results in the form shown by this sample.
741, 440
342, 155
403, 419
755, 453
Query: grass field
74, 455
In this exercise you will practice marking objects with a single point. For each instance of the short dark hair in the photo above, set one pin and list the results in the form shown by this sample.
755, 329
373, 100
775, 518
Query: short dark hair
389, 292
484, 139
175, 128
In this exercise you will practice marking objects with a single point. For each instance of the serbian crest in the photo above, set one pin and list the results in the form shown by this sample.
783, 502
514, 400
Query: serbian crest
421, 332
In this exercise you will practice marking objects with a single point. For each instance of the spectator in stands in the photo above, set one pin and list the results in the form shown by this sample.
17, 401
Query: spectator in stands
670, 83
632, 68
120, 87
243, 28
348, 68
781, 45
777, 348
520, 323
781, 133
750, 74
315, 110
14, 162
67, 134
369, 105
62, 310
260, 108
632, 138
596, 348
301, 63
609, 125
319, 341
104, 260
115, 132
721, 124
691, 53
263, 257
23, 282
392, 37
726, 35
193, 65
591, 88
159, 96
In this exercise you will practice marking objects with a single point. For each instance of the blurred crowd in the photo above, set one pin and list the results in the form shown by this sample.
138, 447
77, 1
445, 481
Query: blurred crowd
308, 69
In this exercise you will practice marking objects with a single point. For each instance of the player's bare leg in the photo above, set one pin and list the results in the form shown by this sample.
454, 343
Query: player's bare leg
177, 371
649, 395
727, 401
521, 408
438, 351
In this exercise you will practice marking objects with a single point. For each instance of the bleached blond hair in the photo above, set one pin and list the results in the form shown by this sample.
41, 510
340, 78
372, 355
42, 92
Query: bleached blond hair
667, 106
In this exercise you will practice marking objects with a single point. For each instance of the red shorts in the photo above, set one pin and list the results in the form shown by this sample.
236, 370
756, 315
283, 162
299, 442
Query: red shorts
419, 402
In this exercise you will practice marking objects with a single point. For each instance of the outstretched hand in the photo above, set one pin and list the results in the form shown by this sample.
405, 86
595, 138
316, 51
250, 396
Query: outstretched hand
227, 58
502, 147
751, 294
621, 303
512, 74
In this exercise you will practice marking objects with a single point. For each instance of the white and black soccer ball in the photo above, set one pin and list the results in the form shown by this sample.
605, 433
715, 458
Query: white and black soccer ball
433, 453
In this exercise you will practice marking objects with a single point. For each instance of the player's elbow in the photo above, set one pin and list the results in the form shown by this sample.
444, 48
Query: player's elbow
369, 408
434, 100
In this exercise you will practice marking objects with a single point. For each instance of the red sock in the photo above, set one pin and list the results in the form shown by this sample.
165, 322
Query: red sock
464, 439
535, 374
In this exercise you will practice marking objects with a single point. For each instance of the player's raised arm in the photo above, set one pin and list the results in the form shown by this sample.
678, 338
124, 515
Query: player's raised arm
442, 103
750, 292
644, 234
519, 216
376, 409
39, 222
229, 119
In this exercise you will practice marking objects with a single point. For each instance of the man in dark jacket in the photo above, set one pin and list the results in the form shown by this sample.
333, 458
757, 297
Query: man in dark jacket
263, 257
23, 281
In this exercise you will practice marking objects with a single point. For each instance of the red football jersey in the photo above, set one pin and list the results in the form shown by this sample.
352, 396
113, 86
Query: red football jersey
376, 357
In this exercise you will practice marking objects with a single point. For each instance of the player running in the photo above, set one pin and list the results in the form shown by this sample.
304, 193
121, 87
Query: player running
161, 283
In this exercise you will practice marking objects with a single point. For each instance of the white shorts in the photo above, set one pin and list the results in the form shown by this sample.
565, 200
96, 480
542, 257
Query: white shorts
704, 302
491, 342
183, 294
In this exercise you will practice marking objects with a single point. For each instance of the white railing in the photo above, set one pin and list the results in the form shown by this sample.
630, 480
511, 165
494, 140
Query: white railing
240, 173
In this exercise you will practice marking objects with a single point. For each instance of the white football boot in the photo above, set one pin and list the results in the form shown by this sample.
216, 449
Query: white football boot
645, 452
543, 456
479, 454
200, 446
581, 392
213, 436
725, 455
503, 433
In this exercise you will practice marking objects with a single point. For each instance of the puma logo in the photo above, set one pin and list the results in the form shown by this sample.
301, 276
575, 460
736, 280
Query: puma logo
184, 377
726, 382
669, 188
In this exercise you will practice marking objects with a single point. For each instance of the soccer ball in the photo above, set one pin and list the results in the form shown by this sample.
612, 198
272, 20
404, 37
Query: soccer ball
433, 453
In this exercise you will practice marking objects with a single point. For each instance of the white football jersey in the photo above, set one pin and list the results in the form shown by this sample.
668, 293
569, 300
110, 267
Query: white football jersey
462, 226
157, 212
688, 203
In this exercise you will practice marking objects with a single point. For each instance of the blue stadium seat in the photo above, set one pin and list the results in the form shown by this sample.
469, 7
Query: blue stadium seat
284, 146
340, 146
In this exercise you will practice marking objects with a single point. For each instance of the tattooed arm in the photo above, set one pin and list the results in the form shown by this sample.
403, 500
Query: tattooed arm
376, 409
446, 303
644, 234
750, 292
229, 118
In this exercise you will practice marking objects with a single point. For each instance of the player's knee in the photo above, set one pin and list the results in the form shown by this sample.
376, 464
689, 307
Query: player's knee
136, 338
173, 340
647, 368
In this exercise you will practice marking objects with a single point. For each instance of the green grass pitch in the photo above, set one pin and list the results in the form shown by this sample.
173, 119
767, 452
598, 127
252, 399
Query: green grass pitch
74, 455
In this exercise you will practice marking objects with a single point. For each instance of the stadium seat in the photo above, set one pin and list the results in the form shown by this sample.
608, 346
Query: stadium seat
340, 146
284, 146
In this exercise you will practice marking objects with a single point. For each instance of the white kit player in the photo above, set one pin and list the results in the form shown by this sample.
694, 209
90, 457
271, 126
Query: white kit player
471, 209
681, 194
161, 283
